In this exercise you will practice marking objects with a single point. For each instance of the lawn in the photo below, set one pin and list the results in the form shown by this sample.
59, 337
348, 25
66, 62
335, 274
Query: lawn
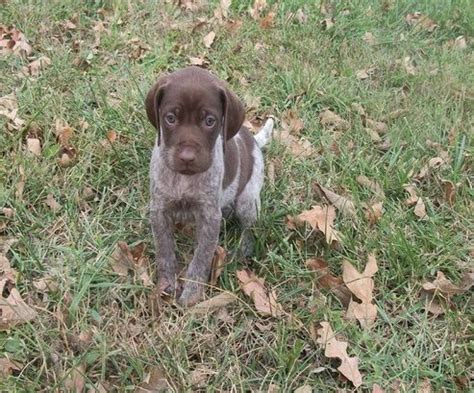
74, 182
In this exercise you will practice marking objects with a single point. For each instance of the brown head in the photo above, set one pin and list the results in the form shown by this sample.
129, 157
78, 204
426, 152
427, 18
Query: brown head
192, 108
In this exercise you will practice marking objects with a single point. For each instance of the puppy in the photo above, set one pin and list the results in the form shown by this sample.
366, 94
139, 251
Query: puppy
203, 162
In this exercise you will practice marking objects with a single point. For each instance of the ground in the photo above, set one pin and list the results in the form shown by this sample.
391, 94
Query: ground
110, 332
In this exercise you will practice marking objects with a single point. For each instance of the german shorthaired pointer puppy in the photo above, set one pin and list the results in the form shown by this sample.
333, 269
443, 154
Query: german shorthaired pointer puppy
203, 161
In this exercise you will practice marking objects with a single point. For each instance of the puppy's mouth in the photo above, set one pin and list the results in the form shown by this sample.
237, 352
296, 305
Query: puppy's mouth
187, 171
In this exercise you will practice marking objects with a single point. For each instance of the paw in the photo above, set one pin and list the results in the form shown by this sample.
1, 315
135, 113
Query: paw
166, 286
192, 294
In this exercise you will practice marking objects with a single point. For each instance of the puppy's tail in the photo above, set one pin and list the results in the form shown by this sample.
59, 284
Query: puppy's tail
265, 134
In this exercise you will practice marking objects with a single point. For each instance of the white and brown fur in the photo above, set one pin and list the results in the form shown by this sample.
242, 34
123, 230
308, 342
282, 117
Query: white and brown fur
203, 163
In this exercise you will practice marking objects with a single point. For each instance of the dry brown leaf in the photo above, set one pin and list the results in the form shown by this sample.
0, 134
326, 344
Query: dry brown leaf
298, 147
409, 66
372, 185
8, 212
254, 287
52, 203
360, 284
332, 121
424, 386
365, 73
322, 219
326, 280
291, 122
222, 10
198, 61
257, 8
343, 204
460, 42
137, 49
441, 285
213, 304
75, 379
155, 381
421, 21
449, 191
268, 20
13, 310
13, 41
420, 209
125, 259
301, 17
33, 145
433, 163
209, 39
9, 109
334, 348
7, 366
378, 126
36, 66
218, 263
328, 23
413, 195
377, 389
365, 313
369, 38
374, 212
434, 304
304, 389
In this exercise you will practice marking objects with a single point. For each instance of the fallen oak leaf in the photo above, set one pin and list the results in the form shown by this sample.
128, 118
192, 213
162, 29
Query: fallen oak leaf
218, 263
332, 121
365, 313
374, 212
297, 147
33, 145
209, 39
9, 109
420, 20
441, 285
321, 219
449, 191
334, 348
326, 280
420, 209
360, 284
214, 303
124, 260
254, 287
7, 366
155, 381
343, 204
75, 380
13, 309
433, 163
372, 185
36, 66
52, 203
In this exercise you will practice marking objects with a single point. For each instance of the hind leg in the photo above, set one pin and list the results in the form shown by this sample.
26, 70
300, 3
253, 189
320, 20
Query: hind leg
247, 208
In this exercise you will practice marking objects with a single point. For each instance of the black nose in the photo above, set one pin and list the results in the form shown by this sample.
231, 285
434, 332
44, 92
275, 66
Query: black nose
187, 155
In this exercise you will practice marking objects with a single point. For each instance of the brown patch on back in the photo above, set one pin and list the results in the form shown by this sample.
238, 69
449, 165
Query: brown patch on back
231, 160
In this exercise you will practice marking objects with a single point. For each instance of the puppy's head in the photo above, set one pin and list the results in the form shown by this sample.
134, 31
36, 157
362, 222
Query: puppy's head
190, 108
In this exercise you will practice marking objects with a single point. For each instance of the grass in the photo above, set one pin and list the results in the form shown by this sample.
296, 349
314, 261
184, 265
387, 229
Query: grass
301, 67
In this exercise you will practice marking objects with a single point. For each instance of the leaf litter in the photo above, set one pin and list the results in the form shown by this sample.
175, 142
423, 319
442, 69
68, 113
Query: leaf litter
321, 218
334, 348
13, 309
264, 299
362, 286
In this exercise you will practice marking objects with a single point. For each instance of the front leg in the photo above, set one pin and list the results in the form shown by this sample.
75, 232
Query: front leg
208, 221
167, 265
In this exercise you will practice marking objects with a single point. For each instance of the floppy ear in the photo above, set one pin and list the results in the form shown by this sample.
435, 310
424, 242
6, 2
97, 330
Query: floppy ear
152, 104
234, 113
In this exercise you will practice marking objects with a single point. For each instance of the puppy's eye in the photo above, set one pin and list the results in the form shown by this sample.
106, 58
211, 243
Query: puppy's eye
170, 118
210, 121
